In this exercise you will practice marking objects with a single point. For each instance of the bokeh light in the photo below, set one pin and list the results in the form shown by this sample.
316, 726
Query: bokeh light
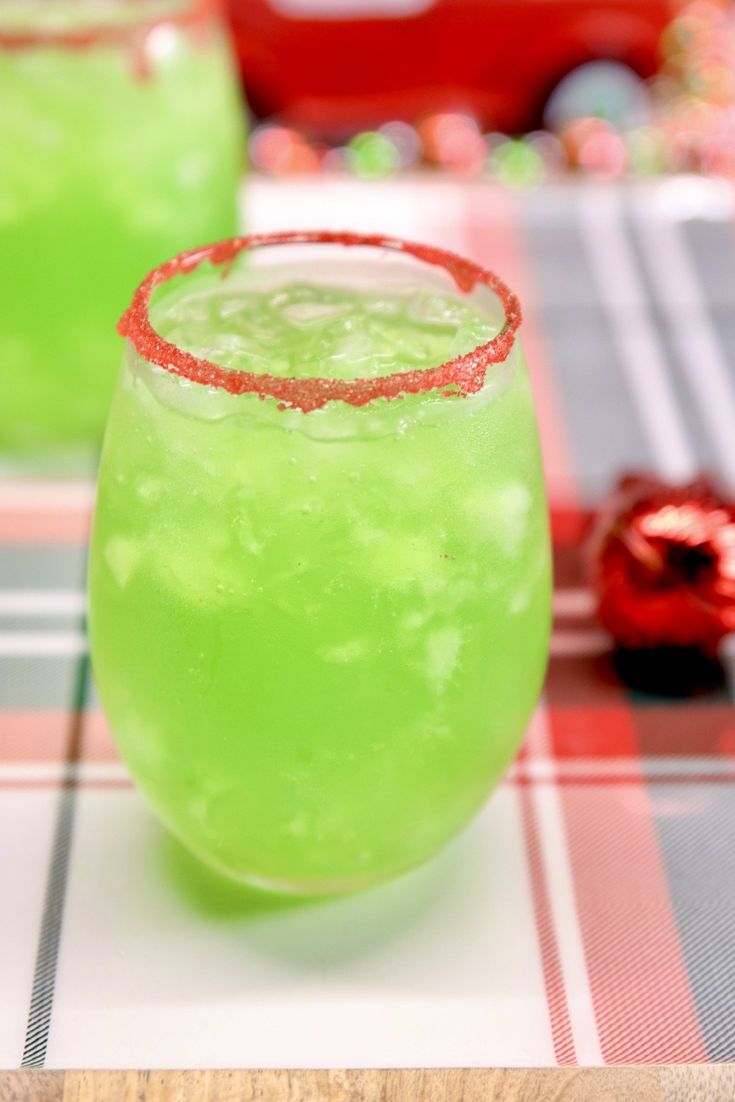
406, 140
551, 150
682, 119
648, 151
576, 133
335, 161
280, 151
603, 154
516, 163
453, 140
372, 155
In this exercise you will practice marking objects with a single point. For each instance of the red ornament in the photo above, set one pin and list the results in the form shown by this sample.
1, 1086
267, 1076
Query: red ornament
663, 564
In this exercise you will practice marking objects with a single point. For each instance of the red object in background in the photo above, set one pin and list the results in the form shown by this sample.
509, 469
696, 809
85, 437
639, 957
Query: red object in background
662, 560
333, 66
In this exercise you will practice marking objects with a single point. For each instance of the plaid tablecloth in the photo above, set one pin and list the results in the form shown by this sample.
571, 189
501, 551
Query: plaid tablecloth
587, 915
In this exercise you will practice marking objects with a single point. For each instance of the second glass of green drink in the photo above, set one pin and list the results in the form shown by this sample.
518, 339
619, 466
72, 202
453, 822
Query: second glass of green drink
121, 142
320, 579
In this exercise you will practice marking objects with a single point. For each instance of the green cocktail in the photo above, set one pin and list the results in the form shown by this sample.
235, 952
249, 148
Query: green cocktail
120, 143
319, 587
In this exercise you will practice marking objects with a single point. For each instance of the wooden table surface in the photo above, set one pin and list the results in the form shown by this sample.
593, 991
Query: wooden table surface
712, 1083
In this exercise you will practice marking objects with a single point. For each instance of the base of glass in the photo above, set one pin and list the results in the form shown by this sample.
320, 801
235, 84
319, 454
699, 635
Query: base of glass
296, 888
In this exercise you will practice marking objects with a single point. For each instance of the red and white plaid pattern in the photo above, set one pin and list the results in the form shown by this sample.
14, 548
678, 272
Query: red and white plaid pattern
586, 916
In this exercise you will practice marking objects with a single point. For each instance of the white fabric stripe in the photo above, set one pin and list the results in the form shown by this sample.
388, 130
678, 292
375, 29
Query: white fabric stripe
38, 496
43, 644
538, 737
544, 769
343, 983
53, 644
685, 196
562, 901
68, 602
434, 212
573, 602
40, 771
538, 769
623, 297
698, 348
42, 602
570, 644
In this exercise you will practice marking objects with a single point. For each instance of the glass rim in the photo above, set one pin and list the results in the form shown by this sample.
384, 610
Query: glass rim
466, 372
95, 33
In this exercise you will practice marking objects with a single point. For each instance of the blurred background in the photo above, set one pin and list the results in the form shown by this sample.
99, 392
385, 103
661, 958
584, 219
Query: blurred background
521, 92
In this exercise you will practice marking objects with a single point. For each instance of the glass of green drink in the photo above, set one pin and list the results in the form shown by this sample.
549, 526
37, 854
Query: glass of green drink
120, 144
320, 580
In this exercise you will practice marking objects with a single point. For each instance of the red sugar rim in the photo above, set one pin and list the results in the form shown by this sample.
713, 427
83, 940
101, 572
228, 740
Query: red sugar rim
191, 12
466, 372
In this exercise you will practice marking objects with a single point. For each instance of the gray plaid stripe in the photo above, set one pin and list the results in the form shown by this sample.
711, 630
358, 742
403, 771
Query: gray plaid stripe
20, 625
601, 418
696, 827
700, 437
39, 566
44, 978
47, 954
711, 248
35, 683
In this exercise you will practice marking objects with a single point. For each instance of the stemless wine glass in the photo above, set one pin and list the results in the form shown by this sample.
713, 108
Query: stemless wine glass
120, 144
319, 581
